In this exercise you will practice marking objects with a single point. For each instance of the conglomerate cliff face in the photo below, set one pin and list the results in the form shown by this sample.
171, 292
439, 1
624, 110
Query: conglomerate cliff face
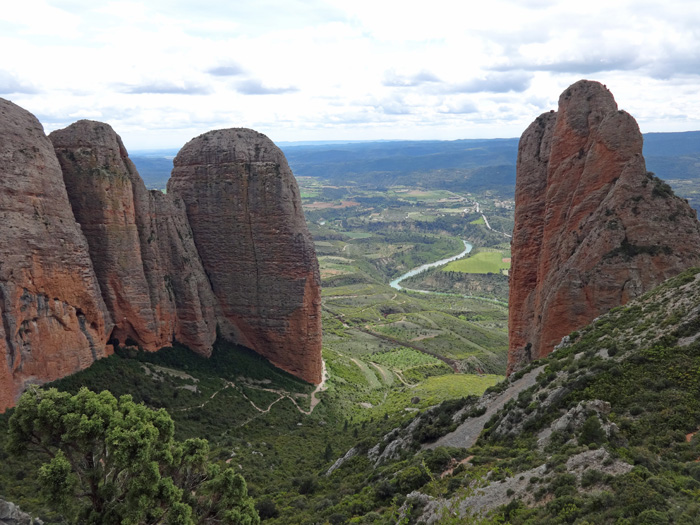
54, 321
593, 228
150, 275
90, 257
244, 208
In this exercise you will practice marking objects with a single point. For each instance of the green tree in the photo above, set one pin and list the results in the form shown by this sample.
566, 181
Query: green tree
113, 461
592, 432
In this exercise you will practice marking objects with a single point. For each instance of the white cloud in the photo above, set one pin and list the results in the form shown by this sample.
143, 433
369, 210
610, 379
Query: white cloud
165, 70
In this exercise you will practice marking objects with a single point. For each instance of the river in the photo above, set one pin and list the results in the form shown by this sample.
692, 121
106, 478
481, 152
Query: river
395, 283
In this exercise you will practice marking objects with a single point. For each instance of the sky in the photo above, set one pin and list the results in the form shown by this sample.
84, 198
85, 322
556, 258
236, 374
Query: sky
164, 71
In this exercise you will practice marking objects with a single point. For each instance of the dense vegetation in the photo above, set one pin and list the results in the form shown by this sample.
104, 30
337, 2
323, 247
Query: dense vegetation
406, 368
113, 461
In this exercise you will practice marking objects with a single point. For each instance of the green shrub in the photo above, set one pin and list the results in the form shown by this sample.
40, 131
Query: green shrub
591, 432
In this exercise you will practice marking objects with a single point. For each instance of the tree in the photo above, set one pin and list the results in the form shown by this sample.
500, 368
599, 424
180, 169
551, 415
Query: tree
328, 453
113, 461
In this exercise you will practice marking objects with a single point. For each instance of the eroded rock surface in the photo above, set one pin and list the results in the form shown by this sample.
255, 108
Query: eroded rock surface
593, 229
244, 208
54, 321
90, 257
140, 242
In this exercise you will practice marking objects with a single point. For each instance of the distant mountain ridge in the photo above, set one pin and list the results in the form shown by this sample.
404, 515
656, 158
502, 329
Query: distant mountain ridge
459, 165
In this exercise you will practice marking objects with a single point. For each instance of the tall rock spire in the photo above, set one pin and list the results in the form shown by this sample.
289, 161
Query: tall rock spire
593, 228
150, 275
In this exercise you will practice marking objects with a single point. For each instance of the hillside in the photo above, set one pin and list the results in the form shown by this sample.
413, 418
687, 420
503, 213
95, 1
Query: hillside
607, 434
601, 431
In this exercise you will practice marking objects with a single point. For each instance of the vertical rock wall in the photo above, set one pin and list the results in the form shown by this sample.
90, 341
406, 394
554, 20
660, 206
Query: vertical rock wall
140, 242
593, 228
89, 256
245, 211
54, 321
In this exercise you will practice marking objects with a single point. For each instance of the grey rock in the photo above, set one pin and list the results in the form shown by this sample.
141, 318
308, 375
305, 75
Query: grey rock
11, 514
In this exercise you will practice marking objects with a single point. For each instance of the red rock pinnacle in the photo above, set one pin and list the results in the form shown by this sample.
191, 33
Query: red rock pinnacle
593, 228
140, 242
88, 254
54, 321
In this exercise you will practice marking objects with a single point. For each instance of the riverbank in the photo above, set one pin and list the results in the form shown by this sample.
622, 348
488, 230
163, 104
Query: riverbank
395, 283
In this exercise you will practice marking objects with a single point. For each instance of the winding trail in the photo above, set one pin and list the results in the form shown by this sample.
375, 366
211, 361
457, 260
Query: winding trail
486, 221
322, 386
382, 372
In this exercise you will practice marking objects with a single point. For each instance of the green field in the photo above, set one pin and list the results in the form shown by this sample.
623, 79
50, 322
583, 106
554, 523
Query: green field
403, 358
480, 262
357, 235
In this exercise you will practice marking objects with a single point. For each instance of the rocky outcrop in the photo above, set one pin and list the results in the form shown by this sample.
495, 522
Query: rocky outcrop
11, 514
593, 229
90, 258
245, 211
150, 275
54, 321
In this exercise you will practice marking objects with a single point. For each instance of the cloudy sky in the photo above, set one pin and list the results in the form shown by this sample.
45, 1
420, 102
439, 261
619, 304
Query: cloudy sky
163, 71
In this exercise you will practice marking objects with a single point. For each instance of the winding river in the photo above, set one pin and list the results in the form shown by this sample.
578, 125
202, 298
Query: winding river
395, 283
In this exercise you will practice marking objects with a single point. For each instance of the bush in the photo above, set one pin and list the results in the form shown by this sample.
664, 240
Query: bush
653, 517
591, 432
266, 509
411, 478
591, 477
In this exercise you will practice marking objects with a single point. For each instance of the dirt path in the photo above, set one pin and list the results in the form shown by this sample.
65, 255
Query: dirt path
281, 395
321, 387
468, 432
456, 464
382, 372
421, 337
399, 375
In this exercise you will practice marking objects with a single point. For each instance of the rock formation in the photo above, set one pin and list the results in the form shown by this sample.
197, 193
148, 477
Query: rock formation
593, 228
151, 278
54, 321
245, 211
11, 514
89, 257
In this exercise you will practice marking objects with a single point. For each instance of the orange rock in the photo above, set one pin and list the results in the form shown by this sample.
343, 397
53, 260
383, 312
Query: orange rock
245, 211
134, 271
54, 321
151, 278
593, 228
